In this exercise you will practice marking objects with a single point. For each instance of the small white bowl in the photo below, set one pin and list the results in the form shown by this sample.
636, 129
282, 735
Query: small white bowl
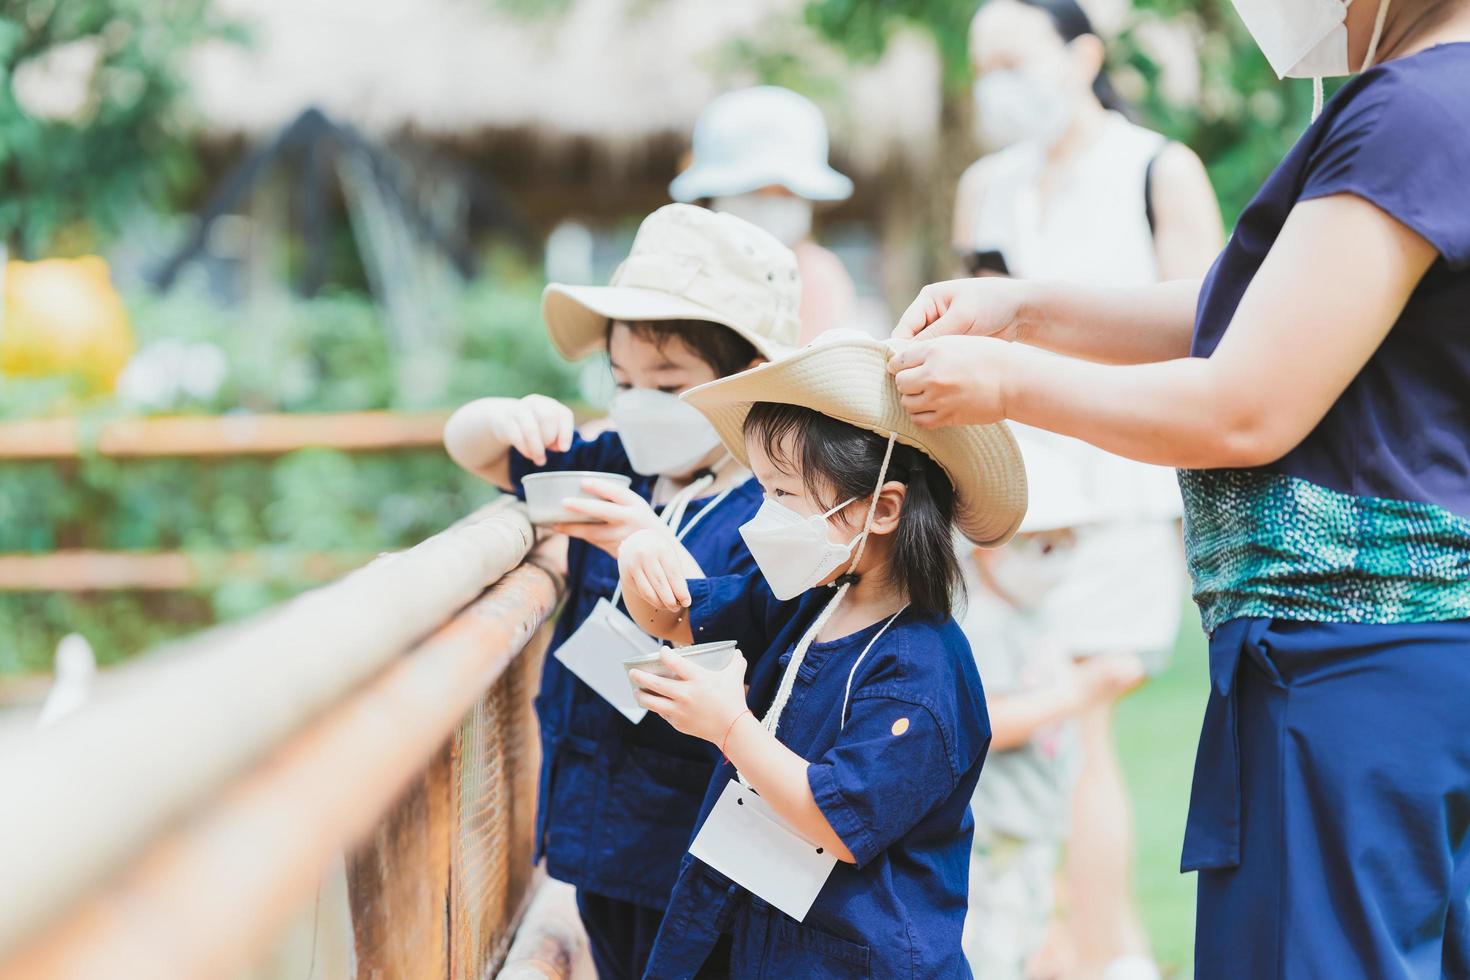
710, 656
547, 492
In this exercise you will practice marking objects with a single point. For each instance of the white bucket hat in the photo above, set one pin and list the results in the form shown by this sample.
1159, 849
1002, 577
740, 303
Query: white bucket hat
844, 375
756, 137
687, 263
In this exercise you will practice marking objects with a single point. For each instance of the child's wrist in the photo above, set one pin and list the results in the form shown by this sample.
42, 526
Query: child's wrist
730, 731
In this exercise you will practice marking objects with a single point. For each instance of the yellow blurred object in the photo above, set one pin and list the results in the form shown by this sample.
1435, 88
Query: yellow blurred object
63, 317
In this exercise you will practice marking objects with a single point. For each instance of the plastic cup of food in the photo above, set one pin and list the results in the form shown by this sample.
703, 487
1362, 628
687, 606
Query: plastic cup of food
710, 656
547, 494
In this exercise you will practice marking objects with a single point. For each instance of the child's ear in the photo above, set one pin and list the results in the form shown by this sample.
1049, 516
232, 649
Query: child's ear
755, 362
890, 505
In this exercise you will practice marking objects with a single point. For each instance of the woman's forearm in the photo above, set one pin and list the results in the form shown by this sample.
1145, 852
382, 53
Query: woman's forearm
1183, 413
779, 775
1111, 325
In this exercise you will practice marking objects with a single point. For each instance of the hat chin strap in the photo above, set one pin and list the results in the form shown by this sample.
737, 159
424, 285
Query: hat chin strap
772, 720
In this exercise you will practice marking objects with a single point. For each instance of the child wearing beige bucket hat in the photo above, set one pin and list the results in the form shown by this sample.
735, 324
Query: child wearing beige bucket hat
834, 839
701, 296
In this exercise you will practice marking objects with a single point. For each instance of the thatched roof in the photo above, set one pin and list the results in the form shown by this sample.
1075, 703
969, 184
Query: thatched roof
618, 72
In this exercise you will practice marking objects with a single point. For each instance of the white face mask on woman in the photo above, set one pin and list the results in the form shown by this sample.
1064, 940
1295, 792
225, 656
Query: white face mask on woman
1306, 38
661, 434
1027, 572
1020, 106
794, 553
788, 219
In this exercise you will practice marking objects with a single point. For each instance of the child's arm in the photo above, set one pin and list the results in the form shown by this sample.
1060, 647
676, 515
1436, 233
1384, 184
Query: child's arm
1016, 716
710, 704
480, 435
655, 572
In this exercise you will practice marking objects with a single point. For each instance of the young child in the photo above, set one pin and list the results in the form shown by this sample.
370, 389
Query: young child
1034, 692
835, 839
701, 296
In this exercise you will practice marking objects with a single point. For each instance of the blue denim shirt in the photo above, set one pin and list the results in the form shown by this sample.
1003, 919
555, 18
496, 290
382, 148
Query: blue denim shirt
618, 800
893, 777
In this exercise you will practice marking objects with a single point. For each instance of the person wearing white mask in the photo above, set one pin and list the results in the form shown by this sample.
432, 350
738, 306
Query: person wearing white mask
761, 154
701, 296
1314, 392
1035, 693
1073, 189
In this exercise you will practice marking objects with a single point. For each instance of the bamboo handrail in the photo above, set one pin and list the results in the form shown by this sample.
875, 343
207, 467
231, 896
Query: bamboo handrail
175, 728
83, 570
219, 435
168, 915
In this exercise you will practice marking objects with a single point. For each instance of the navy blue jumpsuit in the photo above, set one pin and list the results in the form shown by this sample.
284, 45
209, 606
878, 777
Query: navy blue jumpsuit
617, 800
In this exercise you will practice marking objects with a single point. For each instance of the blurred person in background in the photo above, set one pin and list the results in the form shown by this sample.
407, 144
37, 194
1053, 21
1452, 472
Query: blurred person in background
1072, 189
1035, 693
761, 154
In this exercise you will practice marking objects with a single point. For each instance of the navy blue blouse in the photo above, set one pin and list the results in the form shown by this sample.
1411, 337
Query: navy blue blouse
893, 777
1368, 518
618, 800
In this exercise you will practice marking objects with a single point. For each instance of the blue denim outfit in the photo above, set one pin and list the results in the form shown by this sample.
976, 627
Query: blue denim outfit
617, 800
893, 776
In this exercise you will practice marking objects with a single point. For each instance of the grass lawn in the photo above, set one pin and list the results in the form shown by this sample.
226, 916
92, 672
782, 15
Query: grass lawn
1157, 729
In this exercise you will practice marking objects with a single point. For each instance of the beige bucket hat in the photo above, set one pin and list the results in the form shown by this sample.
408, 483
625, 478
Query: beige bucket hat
687, 263
844, 374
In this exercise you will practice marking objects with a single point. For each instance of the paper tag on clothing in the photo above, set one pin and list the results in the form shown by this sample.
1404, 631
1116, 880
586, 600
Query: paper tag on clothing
596, 651
747, 842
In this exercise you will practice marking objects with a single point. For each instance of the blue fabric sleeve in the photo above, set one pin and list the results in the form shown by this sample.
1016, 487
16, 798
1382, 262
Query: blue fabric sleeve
889, 769
1402, 143
733, 607
604, 454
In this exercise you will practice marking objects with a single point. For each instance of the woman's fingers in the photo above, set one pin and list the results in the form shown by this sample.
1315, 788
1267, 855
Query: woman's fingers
644, 587
650, 575
566, 429
600, 509
526, 438
924, 310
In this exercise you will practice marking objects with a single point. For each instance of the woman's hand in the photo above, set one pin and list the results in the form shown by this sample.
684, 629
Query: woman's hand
651, 566
699, 702
621, 511
988, 307
952, 380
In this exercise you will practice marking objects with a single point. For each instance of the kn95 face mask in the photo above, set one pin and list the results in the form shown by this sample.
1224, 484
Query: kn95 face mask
661, 434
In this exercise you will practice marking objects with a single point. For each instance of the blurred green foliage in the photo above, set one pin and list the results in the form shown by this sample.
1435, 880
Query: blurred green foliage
108, 133
327, 354
1243, 122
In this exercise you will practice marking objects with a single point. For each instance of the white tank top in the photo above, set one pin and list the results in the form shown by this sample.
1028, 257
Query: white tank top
1093, 229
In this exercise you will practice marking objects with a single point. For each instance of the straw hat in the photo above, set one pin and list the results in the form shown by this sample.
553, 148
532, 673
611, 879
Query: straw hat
757, 137
687, 263
844, 375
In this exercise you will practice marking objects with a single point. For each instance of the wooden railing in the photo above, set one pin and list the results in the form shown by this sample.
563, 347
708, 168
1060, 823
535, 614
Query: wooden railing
370, 740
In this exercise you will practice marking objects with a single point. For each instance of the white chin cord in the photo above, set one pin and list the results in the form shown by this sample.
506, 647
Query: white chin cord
1318, 89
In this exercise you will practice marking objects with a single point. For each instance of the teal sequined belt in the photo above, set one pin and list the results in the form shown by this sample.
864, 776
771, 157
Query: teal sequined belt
1266, 544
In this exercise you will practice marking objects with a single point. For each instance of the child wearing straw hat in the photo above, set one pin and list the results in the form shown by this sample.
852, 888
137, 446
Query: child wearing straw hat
834, 839
701, 296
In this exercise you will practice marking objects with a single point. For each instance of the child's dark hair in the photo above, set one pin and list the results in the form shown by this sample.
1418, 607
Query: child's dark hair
724, 350
838, 461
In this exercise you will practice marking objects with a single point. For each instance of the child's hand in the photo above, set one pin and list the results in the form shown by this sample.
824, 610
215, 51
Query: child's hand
650, 564
533, 425
621, 511
699, 702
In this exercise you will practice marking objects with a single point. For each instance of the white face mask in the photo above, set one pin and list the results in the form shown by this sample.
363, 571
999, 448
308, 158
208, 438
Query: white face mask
661, 434
788, 219
794, 552
1015, 106
1306, 38
1027, 573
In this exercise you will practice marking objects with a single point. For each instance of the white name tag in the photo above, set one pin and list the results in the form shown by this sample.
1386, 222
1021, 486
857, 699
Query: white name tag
596, 651
747, 842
